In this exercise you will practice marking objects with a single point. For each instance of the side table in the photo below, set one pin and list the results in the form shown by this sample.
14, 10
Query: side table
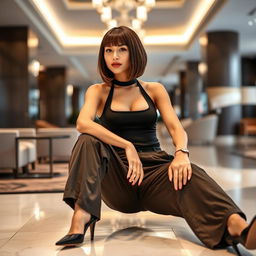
50, 139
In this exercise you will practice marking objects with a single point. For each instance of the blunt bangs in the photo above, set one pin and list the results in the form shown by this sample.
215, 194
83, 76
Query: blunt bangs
114, 39
123, 36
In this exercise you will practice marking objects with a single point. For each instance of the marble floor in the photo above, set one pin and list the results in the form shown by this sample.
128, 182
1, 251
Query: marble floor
30, 224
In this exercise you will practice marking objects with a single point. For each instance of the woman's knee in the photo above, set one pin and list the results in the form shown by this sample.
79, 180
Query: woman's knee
85, 137
197, 172
89, 143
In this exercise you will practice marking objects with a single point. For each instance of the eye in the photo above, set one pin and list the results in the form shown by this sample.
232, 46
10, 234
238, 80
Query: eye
123, 49
108, 50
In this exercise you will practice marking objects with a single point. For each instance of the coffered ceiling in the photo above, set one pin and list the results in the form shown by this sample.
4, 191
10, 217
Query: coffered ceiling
70, 32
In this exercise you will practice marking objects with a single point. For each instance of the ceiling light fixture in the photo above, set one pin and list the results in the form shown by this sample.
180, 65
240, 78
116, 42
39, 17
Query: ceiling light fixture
106, 7
68, 40
34, 67
252, 15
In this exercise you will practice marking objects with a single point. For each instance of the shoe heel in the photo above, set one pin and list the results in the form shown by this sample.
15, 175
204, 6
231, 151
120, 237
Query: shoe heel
236, 249
92, 228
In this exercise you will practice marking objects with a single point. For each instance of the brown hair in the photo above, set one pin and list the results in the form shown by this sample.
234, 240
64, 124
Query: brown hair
123, 36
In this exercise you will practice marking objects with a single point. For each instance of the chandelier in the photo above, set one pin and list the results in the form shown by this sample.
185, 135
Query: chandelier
142, 7
252, 15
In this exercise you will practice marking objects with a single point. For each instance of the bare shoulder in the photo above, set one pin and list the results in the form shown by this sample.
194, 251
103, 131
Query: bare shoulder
95, 87
99, 88
153, 88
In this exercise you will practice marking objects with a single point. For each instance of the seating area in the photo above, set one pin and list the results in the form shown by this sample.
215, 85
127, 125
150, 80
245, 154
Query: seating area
61, 148
248, 126
202, 130
18, 149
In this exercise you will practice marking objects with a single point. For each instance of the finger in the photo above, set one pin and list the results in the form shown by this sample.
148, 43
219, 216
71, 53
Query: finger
129, 171
170, 173
175, 179
141, 178
180, 176
136, 179
189, 172
185, 175
137, 176
134, 172
141, 175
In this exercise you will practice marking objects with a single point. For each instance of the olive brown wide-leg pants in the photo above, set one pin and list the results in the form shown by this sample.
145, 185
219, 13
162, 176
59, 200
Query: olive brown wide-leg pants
98, 171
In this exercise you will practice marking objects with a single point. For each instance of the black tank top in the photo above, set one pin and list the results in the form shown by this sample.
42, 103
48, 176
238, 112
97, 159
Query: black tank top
138, 127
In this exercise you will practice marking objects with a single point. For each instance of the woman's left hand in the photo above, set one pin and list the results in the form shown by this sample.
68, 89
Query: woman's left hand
180, 170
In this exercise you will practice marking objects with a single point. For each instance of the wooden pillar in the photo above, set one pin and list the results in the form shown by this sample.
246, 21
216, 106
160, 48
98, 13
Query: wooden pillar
183, 95
194, 88
14, 88
249, 87
223, 80
52, 86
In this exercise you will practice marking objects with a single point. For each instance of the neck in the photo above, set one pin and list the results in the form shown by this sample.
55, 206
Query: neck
124, 83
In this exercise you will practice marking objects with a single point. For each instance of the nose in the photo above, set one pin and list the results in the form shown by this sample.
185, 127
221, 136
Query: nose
115, 55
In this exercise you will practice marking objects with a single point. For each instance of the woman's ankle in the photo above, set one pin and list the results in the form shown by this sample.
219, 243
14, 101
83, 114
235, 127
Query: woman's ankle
236, 224
79, 219
81, 211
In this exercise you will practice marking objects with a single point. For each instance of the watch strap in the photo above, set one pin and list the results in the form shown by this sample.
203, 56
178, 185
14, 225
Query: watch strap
184, 150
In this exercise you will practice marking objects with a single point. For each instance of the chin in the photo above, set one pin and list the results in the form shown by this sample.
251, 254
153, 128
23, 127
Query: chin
115, 72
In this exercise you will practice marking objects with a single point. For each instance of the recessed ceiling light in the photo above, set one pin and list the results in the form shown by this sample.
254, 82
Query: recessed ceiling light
250, 23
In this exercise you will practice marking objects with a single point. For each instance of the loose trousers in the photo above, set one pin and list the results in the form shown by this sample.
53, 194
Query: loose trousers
98, 171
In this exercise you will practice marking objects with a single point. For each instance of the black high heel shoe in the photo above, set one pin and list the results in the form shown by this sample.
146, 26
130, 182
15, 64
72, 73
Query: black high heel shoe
247, 238
76, 239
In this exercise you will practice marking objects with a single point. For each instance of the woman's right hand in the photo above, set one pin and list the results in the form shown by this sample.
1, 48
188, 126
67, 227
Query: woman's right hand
135, 171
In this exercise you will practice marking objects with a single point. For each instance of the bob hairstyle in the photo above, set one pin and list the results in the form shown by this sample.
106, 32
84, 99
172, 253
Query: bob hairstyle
123, 36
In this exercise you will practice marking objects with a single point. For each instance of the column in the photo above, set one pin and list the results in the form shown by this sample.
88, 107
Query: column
75, 99
14, 86
194, 88
52, 86
248, 87
75, 108
183, 95
223, 80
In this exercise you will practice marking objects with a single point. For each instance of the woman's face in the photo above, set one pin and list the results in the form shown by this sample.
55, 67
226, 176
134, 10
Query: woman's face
117, 59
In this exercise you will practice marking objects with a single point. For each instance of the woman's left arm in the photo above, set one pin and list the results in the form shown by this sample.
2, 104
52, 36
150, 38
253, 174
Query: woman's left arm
180, 170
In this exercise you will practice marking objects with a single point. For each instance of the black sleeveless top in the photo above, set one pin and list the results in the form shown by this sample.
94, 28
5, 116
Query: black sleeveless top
138, 127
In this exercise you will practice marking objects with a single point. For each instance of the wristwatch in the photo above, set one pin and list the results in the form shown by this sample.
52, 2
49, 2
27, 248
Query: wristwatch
184, 150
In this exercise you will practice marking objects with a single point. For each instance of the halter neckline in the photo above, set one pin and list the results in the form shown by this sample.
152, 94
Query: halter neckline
126, 83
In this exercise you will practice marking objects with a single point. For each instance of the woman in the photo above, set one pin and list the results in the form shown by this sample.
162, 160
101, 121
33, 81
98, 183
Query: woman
120, 160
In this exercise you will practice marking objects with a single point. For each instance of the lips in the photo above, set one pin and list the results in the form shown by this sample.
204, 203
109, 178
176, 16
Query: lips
116, 65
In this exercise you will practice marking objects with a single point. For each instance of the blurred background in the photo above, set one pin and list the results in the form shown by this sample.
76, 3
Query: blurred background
203, 51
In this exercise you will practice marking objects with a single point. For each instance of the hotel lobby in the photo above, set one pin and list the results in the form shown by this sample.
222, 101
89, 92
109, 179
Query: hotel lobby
202, 51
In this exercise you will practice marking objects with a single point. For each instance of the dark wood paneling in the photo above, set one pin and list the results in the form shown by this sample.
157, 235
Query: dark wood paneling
14, 77
52, 86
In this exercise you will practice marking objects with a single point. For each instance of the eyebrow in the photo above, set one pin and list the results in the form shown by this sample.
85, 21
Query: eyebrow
117, 45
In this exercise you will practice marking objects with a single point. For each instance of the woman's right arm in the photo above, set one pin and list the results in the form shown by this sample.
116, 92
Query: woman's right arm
86, 124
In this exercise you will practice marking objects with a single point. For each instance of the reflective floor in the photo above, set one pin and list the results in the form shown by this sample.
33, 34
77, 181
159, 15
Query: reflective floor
30, 224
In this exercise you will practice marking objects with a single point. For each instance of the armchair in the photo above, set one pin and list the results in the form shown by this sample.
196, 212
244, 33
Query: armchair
8, 153
203, 130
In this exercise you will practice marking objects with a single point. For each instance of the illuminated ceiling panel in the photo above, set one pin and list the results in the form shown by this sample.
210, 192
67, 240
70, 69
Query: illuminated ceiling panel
68, 39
